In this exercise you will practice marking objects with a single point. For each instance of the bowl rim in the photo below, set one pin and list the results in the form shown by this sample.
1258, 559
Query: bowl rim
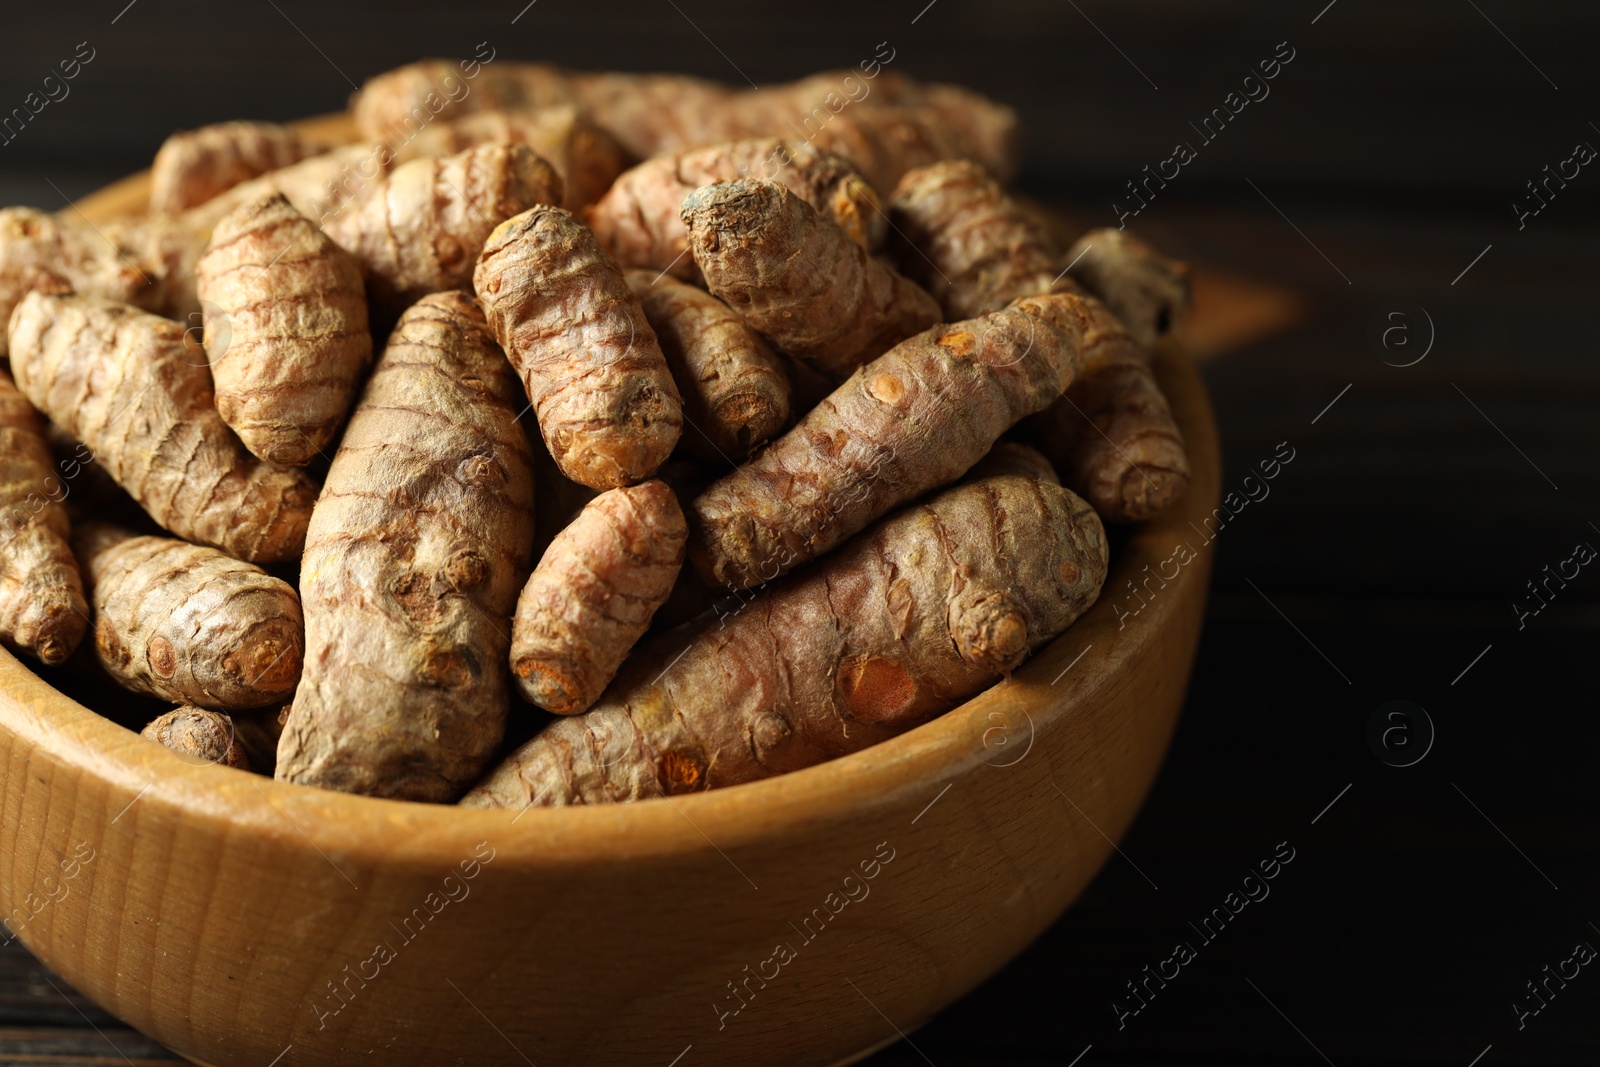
366, 831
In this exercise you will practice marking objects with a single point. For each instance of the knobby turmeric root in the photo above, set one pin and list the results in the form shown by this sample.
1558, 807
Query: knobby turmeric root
61, 254
798, 279
127, 385
639, 220
42, 608
735, 390
559, 305
903, 623
1143, 288
912, 420
415, 228
586, 157
961, 236
285, 317
593, 594
1111, 434
196, 165
884, 142
416, 551
648, 113
421, 229
321, 187
150, 262
1113, 437
190, 624
982, 129
945, 121
901, 123
198, 735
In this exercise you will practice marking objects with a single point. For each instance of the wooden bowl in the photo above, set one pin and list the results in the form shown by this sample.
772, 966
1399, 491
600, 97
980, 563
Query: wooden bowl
806, 919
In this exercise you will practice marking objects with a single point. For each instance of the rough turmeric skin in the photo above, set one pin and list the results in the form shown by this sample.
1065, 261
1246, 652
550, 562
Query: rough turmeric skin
798, 279
560, 307
1143, 288
981, 129
952, 121
321, 187
128, 386
196, 165
912, 420
285, 330
653, 114
593, 594
416, 552
905, 622
420, 230
415, 228
884, 142
1111, 435
150, 262
42, 608
586, 156
198, 735
639, 220
735, 391
61, 254
963, 238
648, 113
190, 624
1113, 438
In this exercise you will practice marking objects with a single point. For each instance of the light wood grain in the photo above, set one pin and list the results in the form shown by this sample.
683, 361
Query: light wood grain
220, 905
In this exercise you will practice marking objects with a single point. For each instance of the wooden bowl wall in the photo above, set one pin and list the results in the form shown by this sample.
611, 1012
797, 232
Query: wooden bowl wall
237, 918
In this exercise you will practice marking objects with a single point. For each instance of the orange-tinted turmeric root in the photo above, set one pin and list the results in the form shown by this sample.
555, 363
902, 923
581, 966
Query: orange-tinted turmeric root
193, 166
902, 624
57, 254
1111, 435
734, 387
639, 220
963, 238
190, 624
586, 156
199, 736
285, 317
912, 420
567, 319
593, 594
894, 122
420, 229
129, 386
42, 607
798, 279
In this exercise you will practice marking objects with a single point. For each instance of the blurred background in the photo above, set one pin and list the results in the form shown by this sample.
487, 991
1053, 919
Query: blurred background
1444, 459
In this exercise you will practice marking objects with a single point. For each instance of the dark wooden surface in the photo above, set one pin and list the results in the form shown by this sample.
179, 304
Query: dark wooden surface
1386, 558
